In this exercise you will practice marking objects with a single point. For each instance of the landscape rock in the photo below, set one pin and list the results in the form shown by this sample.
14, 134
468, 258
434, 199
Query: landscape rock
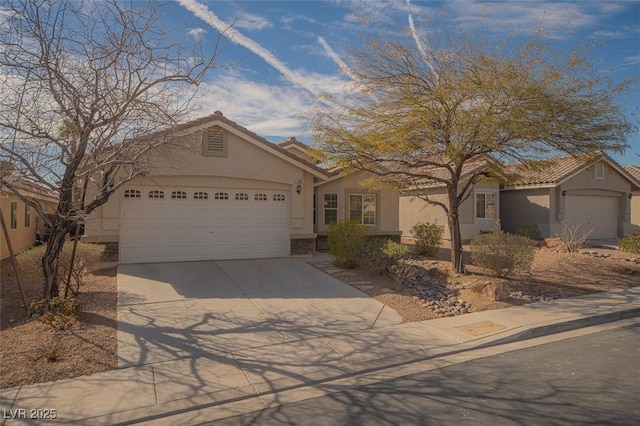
554, 244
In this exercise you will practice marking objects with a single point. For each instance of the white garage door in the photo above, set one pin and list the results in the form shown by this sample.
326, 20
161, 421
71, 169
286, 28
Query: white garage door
176, 224
599, 213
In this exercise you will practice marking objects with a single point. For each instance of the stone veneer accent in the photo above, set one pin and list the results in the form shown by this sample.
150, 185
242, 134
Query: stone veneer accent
322, 245
303, 246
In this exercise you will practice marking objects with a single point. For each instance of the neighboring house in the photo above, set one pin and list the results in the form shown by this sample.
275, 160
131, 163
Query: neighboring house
635, 200
219, 191
478, 213
24, 225
590, 190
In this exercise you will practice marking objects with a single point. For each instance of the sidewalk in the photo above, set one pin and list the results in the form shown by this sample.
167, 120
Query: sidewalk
255, 378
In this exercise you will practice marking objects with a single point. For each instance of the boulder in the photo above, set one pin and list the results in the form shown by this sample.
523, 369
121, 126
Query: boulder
554, 244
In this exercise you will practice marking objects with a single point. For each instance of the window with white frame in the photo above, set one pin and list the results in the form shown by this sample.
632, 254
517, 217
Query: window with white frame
221, 196
27, 216
486, 205
14, 215
260, 197
279, 197
179, 195
362, 208
330, 208
132, 193
241, 196
201, 195
156, 194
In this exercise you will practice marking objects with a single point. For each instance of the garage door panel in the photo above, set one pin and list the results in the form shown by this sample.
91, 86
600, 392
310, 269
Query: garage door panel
198, 229
597, 212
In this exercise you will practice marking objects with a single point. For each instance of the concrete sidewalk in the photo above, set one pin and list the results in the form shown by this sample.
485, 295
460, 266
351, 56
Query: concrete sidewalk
260, 377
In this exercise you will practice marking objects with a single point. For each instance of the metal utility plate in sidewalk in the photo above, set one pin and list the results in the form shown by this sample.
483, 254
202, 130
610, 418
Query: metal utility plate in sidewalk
481, 328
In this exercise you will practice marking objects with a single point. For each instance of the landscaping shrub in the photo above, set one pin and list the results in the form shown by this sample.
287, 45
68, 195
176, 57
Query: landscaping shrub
530, 231
346, 241
630, 244
427, 237
502, 253
575, 236
380, 256
59, 313
87, 255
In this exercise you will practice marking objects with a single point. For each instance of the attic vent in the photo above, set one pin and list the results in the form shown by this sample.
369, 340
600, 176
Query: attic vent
214, 142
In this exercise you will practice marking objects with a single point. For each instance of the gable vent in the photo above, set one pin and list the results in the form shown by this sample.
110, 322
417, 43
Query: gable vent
214, 141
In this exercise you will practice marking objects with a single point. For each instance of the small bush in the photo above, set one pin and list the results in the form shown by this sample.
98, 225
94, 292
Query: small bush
380, 256
502, 253
530, 231
58, 313
52, 352
427, 237
346, 241
87, 255
575, 236
630, 244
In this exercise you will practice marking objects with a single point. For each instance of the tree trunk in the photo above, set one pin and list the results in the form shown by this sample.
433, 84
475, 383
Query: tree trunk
51, 287
453, 217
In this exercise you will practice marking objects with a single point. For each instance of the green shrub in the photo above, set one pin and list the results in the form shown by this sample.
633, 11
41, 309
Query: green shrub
58, 313
630, 244
380, 256
87, 255
502, 253
530, 231
427, 237
346, 241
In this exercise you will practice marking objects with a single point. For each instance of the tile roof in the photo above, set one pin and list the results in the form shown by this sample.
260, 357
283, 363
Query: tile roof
548, 171
633, 171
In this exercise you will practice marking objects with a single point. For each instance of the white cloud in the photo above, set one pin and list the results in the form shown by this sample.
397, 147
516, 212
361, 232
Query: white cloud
196, 33
249, 21
344, 68
315, 84
632, 60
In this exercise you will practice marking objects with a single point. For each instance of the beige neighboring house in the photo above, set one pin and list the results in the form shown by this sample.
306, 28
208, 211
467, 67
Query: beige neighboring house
589, 190
22, 221
635, 200
218, 192
478, 213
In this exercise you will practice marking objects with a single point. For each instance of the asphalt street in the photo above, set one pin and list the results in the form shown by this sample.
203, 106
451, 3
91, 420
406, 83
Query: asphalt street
588, 380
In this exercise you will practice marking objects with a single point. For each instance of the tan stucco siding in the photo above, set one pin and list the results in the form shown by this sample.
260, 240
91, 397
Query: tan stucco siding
22, 237
414, 210
245, 166
387, 199
525, 207
635, 212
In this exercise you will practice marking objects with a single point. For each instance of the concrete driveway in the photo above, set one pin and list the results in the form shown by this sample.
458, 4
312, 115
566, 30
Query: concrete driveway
172, 311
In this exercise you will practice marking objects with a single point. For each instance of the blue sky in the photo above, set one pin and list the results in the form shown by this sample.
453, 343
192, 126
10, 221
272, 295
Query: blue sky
279, 56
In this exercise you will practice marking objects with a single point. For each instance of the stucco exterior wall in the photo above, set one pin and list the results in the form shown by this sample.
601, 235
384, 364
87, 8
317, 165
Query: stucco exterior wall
635, 213
526, 207
22, 237
387, 201
184, 166
414, 210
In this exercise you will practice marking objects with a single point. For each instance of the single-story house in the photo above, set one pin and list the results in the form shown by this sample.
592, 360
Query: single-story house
478, 213
220, 191
589, 190
635, 200
23, 224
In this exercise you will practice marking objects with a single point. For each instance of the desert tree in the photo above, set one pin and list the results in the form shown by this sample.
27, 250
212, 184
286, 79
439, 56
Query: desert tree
83, 85
445, 111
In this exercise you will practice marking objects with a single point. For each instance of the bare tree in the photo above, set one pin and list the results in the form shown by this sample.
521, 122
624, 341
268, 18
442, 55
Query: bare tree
444, 113
83, 84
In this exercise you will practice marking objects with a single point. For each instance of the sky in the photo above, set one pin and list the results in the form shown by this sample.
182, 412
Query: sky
279, 58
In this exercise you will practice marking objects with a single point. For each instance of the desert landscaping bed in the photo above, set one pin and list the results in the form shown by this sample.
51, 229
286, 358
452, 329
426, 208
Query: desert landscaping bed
33, 352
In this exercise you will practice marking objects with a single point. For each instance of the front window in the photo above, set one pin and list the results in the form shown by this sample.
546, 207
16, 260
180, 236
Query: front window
486, 206
27, 216
362, 208
330, 208
14, 215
